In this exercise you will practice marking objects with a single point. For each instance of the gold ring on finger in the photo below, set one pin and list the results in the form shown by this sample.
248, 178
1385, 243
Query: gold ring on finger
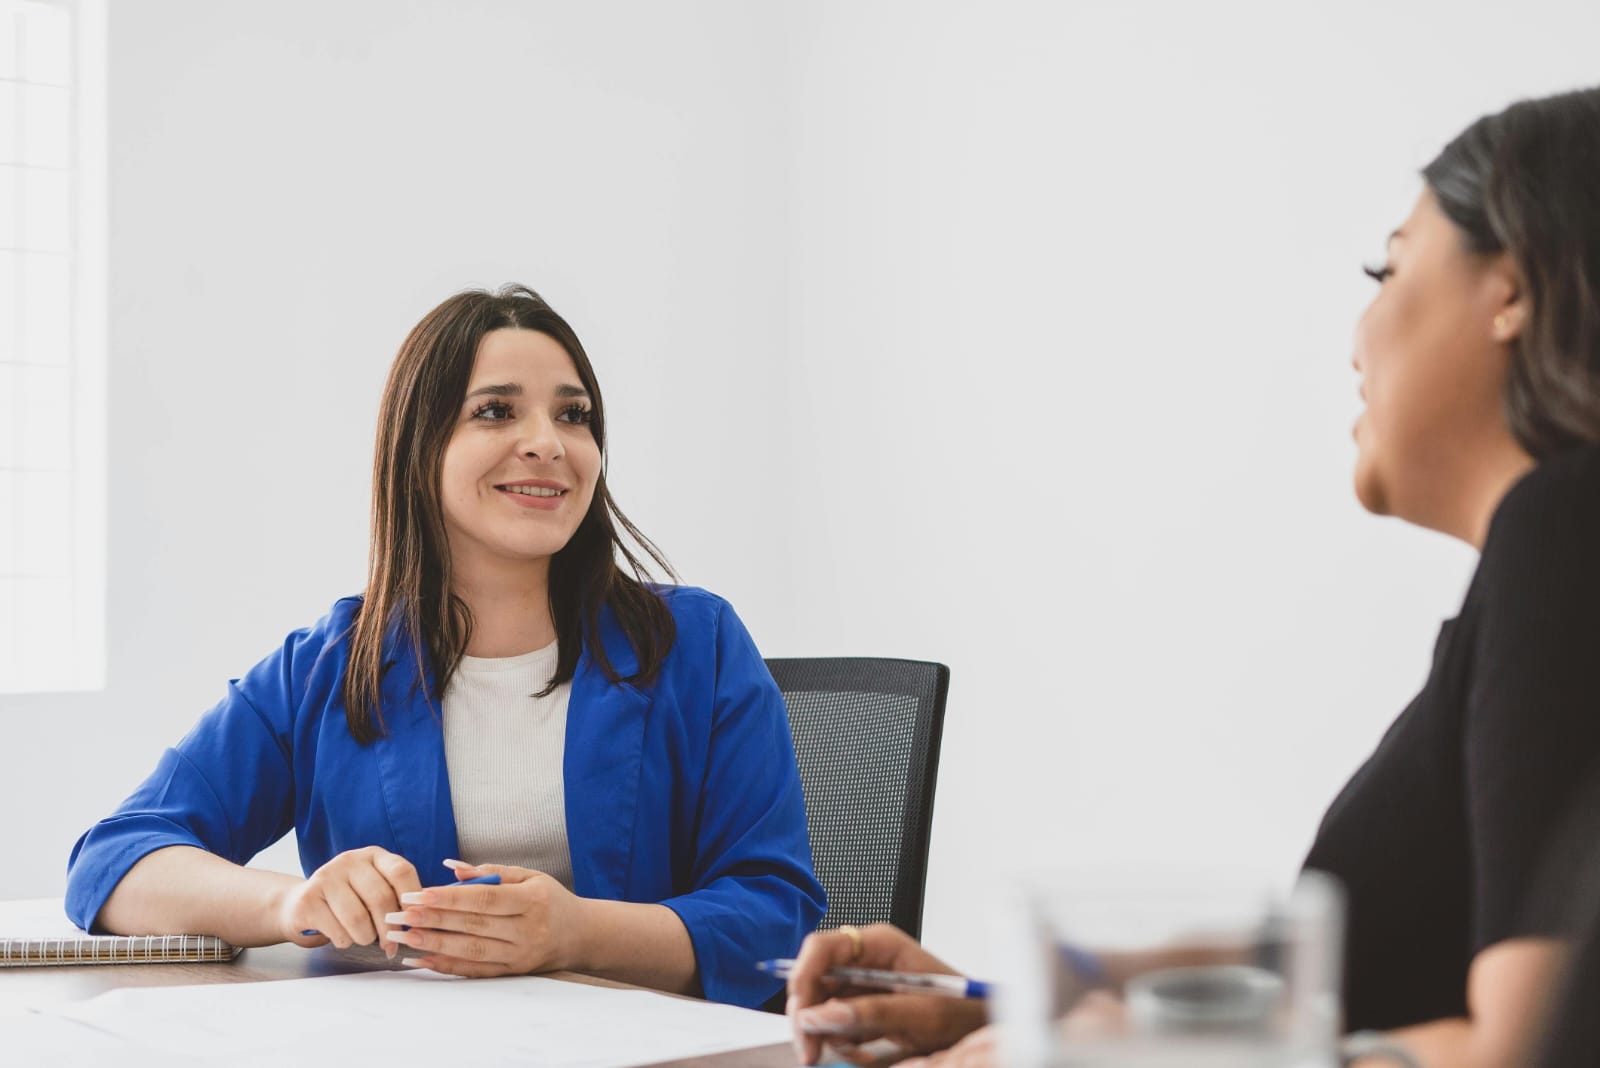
857, 947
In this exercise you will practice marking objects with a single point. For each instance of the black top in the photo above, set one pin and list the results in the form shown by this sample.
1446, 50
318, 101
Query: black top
1441, 837
1573, 1038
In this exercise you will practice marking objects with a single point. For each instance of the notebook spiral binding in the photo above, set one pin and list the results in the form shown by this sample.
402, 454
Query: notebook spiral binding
114, 949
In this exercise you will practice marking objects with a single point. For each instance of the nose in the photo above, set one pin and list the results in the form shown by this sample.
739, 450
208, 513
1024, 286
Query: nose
539, 439
1358, 342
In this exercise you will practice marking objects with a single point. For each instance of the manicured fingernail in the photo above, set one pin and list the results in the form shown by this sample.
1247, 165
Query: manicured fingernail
791, 1006
403, 937
396, 918
413, 962
454, 864
829, 1018
414, 897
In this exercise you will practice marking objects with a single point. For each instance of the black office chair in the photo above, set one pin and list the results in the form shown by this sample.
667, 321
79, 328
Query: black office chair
866, 734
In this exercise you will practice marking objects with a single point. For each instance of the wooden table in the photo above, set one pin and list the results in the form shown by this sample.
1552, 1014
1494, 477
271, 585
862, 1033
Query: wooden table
31, 986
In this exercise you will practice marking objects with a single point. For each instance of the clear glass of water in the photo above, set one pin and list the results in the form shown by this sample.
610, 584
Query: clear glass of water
1169, 969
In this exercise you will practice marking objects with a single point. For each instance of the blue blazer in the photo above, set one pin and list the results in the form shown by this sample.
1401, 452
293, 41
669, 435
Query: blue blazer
684, 793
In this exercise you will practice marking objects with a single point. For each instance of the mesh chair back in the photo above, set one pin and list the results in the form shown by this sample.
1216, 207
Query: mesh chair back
866, 735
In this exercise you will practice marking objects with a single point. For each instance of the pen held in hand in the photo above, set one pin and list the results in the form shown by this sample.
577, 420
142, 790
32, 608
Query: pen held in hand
949, 986
482, 880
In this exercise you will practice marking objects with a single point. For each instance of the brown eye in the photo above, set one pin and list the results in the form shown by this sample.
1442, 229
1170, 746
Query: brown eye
493, 412
576, 413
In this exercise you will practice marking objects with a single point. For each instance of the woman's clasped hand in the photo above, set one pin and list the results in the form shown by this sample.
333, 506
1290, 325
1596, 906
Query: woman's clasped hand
528, 923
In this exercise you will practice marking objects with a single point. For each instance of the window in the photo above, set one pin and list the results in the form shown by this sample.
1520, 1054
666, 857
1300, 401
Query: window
52, 345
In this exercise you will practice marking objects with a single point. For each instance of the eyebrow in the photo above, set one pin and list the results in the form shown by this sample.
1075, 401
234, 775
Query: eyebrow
1399, 232
511, 389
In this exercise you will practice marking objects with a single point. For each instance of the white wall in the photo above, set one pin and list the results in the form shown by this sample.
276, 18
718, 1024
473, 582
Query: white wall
292, 185
1010, 335
1071, 382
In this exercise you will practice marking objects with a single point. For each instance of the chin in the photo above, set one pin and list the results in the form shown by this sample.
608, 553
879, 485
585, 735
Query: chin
1369, 488
530, 551
528, 545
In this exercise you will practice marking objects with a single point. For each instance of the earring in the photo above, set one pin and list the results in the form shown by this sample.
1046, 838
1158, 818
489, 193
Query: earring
1501, 323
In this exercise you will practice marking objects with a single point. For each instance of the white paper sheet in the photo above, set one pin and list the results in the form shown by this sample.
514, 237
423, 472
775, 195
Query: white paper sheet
38, 917
394, 1018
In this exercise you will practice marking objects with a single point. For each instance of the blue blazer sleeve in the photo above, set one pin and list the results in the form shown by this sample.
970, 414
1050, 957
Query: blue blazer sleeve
756, 896
227, 787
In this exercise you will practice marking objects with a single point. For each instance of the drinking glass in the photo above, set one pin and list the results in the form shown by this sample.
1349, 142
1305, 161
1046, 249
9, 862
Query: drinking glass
1148, 968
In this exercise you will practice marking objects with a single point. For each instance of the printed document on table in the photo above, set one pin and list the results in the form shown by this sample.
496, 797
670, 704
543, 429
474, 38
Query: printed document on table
410, 1018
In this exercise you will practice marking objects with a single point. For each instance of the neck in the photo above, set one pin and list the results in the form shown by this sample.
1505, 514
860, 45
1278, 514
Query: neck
1492, 480
510, 606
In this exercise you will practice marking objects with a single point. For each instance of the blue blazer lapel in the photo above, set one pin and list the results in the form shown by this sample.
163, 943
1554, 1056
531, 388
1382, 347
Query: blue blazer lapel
411, 768
600, 770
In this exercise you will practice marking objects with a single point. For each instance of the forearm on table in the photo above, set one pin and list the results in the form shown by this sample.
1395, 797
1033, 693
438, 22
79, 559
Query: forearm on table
647, 945
184, 890
1508, 989
1444, 1043
1456, 1043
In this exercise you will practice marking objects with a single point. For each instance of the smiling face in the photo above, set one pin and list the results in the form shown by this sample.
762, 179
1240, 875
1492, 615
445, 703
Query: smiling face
1432, 353
520, 468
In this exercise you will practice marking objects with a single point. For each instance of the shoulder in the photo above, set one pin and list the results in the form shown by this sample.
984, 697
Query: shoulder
710, 635
1546, 530
1534, 607
308, 654
330, 632
692, 606
703, 622
1560, 493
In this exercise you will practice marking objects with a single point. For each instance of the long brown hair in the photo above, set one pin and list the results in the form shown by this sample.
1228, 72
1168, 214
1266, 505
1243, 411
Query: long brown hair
408, 595
1526, 181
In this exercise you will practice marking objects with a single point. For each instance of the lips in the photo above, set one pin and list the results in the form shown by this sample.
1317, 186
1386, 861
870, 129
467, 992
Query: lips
541, 494
535, 487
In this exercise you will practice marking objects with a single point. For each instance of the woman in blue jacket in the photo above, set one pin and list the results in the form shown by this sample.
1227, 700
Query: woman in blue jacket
504, 693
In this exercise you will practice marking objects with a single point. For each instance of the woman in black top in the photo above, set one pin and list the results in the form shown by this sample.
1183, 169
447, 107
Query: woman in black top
1569, 889
1480, 367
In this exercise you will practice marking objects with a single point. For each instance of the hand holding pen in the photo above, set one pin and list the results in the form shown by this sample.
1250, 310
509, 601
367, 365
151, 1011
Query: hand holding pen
344, 901
527, 923
937, 984
847, 1016
394, 918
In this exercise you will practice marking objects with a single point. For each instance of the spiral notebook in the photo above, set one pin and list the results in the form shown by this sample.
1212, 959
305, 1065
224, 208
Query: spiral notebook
38, 934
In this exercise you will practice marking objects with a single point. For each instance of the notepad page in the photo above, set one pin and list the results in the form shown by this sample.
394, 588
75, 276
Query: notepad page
41, 917
37, 932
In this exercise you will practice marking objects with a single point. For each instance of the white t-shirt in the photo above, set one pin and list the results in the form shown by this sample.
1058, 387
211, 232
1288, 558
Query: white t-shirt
503, 748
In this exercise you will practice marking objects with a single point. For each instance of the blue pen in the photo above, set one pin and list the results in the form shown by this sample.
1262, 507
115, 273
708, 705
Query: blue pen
950, 986
1085, 965
482, 880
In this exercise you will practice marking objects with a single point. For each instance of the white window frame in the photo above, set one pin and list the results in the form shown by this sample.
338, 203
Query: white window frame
63, 649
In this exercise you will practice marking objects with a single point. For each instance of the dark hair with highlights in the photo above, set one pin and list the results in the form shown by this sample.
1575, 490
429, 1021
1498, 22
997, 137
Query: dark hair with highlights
1526, 182
408, 591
